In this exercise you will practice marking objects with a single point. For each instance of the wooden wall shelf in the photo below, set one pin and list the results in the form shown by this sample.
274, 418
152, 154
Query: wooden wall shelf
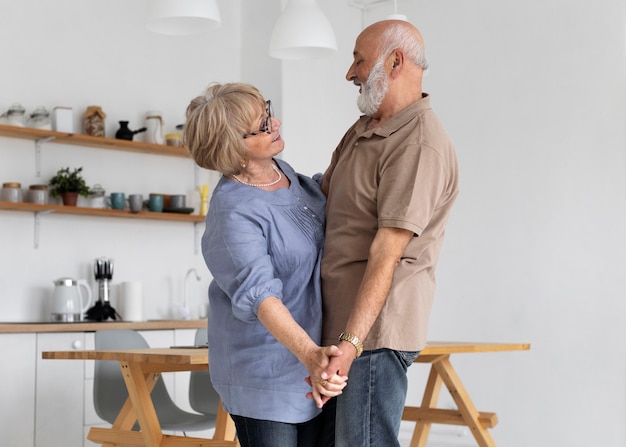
40, 136
87, 140
97, 212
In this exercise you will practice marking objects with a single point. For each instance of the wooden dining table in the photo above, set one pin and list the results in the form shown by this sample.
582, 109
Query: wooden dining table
437, 354
141, 369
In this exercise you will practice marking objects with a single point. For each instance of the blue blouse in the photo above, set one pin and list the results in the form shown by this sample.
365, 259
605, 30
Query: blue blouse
258, 244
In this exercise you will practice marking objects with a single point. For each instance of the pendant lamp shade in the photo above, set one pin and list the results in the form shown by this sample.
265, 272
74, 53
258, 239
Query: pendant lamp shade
302, 32
181, 17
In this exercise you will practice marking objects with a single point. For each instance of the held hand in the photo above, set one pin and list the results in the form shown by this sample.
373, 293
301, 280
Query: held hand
324, 386
341, 364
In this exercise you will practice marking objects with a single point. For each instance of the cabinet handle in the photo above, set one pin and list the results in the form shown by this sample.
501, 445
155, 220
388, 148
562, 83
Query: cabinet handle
77, 344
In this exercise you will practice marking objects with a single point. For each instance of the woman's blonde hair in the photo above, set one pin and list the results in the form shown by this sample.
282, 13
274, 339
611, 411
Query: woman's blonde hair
216, 123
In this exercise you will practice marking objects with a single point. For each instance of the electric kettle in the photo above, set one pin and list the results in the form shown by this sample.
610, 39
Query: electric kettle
69, 304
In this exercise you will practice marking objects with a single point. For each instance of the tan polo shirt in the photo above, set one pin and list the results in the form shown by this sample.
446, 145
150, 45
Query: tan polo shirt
401, 174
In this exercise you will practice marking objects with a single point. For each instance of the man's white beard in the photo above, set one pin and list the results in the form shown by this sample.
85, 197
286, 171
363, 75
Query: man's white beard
374, 90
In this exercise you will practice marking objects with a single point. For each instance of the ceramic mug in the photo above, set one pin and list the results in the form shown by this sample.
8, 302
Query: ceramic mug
155, 203
117, 200
135, 202
177, 201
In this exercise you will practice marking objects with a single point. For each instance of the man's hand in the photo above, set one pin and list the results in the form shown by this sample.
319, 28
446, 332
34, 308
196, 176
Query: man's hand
324, 385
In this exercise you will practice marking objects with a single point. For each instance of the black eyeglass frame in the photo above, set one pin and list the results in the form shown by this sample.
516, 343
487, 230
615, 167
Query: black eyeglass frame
267, 124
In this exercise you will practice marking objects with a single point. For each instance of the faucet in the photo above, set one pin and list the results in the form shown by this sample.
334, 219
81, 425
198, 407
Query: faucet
184, 307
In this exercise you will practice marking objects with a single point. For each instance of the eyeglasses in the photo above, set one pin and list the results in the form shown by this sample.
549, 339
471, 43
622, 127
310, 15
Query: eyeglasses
266, 127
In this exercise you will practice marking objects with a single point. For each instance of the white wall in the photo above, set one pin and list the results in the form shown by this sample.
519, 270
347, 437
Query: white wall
76, 53
533, 94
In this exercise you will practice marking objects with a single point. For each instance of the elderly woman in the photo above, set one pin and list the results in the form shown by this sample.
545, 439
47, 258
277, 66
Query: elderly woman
262, 244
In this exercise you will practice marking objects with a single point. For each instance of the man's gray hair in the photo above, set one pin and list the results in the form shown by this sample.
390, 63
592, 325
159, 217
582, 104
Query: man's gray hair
399, 36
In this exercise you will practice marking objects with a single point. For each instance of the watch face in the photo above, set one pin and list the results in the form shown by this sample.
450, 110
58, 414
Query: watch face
351, 338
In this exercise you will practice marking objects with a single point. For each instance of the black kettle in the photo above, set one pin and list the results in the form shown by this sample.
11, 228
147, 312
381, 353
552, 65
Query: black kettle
124, 133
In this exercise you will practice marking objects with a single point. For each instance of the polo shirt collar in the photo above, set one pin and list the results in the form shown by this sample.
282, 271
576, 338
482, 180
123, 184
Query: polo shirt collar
395, 122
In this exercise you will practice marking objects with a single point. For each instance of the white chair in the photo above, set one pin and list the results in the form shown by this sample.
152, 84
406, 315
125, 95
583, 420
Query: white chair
202, 396
109, 391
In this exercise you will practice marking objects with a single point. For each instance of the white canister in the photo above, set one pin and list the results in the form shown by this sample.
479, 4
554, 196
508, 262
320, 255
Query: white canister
96, 197
38, 194
130, 303
11, 192
154, 127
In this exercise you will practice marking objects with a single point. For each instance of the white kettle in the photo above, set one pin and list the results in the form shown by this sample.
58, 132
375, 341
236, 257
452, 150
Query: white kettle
69, 304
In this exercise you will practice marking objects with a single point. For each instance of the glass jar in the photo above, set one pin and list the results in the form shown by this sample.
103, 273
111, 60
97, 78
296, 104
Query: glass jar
93, 121
38, 194
96, 197
40, 119
15, 115
11, 192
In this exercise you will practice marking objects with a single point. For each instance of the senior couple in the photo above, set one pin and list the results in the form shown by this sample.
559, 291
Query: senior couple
322, 288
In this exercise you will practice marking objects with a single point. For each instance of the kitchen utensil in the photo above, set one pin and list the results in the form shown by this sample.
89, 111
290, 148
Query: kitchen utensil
102, 309
155, 203
177, 201
154, 127
68, 302
117, 200
124, 133
135, 203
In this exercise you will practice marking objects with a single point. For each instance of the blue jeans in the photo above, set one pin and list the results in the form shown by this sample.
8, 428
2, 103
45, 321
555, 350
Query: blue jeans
260, 433
370, 408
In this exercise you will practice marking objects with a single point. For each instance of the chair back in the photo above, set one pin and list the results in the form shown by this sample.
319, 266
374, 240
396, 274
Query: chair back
110, 393
202, 396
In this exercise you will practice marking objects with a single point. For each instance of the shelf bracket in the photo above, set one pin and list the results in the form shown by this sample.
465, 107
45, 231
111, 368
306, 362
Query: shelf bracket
196, 237
38, 144
37, 222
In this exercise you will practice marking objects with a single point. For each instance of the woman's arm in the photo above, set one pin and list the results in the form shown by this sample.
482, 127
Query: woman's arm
279, 322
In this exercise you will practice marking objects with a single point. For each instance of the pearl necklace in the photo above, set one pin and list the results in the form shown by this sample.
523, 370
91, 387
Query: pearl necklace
261, 185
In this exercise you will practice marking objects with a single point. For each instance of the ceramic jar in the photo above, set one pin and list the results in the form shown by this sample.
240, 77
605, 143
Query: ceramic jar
38, 194
11, 192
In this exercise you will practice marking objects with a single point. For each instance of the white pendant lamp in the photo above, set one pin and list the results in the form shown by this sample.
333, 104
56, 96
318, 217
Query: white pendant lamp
181, 17
302, 32
395, 15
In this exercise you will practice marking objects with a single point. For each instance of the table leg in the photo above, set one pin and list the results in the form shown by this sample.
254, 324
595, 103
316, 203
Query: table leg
464, 403
127, 416
429, 400
139, 395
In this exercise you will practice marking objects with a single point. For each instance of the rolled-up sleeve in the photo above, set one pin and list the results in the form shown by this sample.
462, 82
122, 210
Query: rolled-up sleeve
240, 263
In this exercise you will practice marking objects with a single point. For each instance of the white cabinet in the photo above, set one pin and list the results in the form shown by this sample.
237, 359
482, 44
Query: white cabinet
59, 392
49, 403
17, 389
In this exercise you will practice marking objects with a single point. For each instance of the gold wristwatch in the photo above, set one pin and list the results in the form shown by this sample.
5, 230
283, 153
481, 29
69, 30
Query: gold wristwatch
351, 338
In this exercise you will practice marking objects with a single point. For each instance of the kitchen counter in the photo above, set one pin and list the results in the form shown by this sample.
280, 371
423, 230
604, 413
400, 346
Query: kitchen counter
88, 326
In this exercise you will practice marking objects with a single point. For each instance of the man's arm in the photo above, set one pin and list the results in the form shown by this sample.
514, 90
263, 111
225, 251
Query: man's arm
384, 255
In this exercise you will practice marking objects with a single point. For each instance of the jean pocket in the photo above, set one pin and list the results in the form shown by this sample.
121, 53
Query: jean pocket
408, 357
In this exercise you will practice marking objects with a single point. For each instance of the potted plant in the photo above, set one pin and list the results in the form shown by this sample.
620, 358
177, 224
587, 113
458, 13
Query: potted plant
69, 185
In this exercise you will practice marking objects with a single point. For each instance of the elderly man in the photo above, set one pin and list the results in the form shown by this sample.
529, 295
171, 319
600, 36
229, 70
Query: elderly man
390, 185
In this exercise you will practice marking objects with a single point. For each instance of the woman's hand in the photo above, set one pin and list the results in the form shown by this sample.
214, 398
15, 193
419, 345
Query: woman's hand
323, 386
